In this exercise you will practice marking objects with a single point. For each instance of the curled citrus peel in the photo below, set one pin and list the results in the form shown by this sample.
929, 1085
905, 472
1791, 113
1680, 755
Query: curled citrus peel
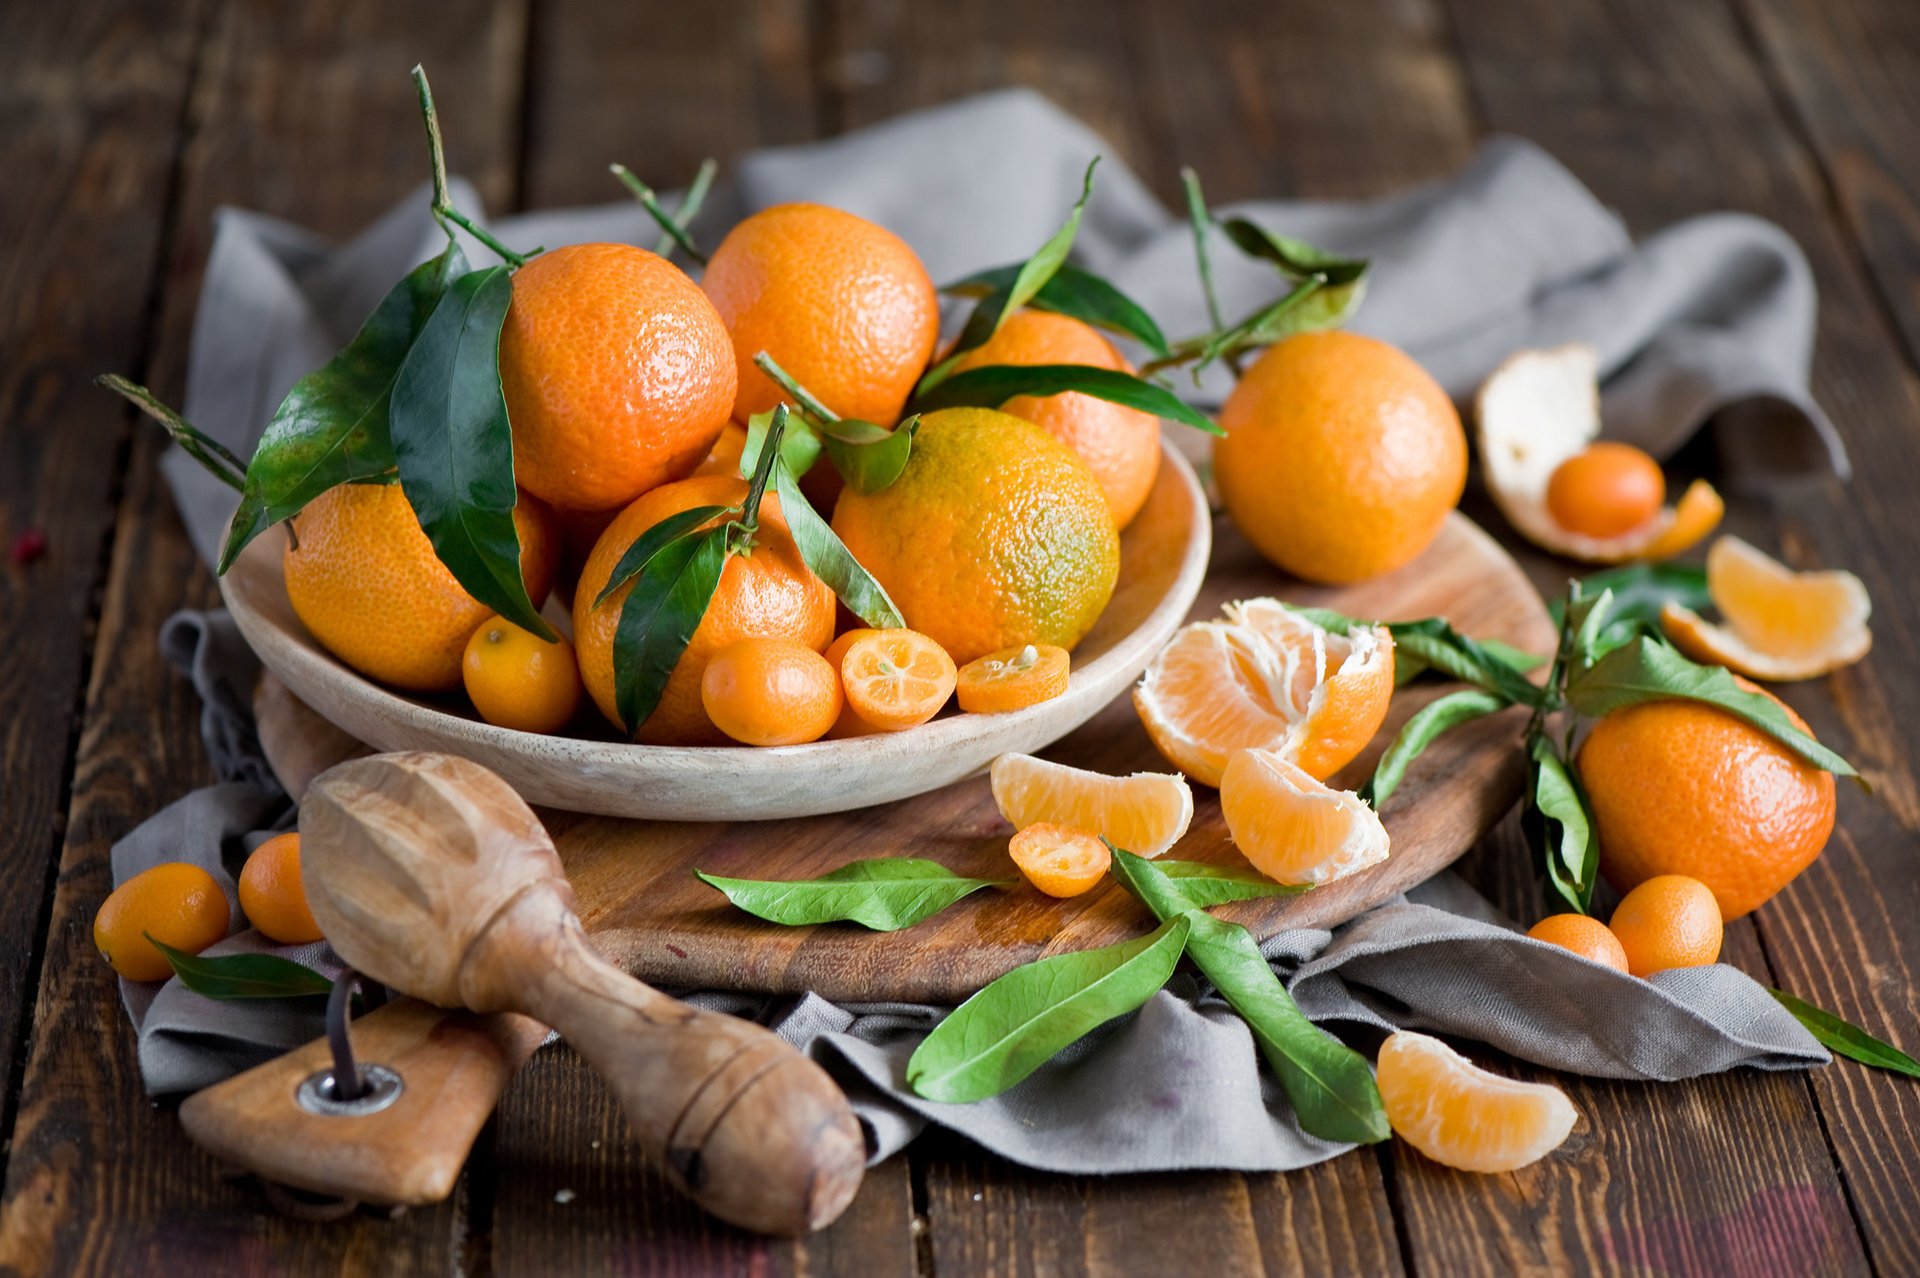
1777, 624
1266, 677
1541, 409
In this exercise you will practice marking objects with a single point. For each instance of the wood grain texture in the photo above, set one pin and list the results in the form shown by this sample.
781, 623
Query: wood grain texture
91, 98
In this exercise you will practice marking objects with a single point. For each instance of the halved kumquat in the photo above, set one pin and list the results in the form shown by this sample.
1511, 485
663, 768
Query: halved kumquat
1058, 859
1145, 813
1013, 679
896, 679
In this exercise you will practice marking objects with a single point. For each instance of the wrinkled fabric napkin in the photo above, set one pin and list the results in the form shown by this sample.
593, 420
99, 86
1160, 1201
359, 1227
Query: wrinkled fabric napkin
1510, 252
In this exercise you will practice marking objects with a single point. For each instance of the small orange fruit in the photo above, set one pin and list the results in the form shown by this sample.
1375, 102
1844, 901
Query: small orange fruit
1145, 813
1682, 787
1266, 677
1058, 859
848, 724
896, 679
1668, 921
840, 303
516, 679
365, 580
1120, 445
1459, 1115
1588, 937
1779, 624
272, 896
1294, 829
770, 593
1342, 456
175, 903
617, 372
1013, 679
1606, 490
995, 535
770, 692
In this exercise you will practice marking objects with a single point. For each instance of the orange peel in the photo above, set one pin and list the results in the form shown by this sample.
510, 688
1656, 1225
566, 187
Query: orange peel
1778, 625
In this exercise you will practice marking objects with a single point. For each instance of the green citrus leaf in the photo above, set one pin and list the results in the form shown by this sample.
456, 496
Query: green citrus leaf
1329, 1084
239, 976
1646, 669
1558, 822
1292, 256
1847, 1040
1075, 293
882, 893
1207, 884
332, 428
830, 559
1033, 1013
659, 617
454, 448
995, 384
650, 543
799, 444
1434, 641
1428, 724
868, 457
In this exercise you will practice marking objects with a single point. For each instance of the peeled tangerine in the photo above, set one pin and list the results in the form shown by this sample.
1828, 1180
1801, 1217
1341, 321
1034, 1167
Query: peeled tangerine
1778, 624
1294, 829
1538, 417
1266, 678
1459, 1115
1145, 813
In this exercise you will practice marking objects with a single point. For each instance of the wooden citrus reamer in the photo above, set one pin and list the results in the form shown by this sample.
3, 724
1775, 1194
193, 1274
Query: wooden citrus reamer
429, 874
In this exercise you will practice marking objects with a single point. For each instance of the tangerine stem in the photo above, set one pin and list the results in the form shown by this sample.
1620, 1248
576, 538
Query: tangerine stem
809, 405
443, 209
669, 224
215, 457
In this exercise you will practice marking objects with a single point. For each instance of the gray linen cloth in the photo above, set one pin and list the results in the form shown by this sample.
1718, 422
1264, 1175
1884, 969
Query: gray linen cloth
1510, 252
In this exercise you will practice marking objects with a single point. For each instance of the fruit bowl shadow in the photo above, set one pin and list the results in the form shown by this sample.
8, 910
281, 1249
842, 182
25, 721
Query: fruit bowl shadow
1163, 559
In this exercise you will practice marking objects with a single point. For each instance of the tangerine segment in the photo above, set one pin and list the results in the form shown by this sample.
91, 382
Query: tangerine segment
175, 903
1584, 935
1058, 859
1780, 624
516, 679
1145, 813
1668, 921
1293, 828
1013, 679
1461, 1116
1339, 685
896, 678
1606, 490
771, 692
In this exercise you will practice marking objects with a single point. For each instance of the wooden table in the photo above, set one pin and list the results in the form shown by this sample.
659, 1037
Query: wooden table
122, 129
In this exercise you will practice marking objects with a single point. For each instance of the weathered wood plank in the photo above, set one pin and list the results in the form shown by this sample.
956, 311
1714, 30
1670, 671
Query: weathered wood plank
1685, 123
91, 97
293, 109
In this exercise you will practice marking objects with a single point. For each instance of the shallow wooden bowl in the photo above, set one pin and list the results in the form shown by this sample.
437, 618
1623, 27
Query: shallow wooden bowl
1163, 557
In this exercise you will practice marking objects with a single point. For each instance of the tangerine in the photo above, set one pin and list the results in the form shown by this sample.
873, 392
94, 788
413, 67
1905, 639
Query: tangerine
175, 903
272, 895
518, 680
1668, 921
770, 692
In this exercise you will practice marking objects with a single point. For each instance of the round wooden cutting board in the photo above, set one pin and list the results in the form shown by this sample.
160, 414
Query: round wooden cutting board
637, 893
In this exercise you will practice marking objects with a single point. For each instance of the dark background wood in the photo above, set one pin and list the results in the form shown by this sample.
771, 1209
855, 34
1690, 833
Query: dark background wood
123, 126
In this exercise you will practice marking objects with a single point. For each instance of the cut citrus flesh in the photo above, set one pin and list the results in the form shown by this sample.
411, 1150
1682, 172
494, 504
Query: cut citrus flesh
1293, 828
1459, 1115
1059, 859
1012, 679
1540, 410
896, 679
1268, 678
1779, 624
1145, 813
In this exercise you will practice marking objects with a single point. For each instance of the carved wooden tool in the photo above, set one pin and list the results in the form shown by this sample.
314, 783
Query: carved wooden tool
430, 875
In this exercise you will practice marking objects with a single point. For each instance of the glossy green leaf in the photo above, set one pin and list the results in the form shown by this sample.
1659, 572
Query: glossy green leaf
659, 617
333, 426
1292, 256
995, 384
1407, 667
243, 976
1648, 670
1435, 642
1843, 1039
882, 893
830, 559
1329, 1084
1205, 883
1428, 724
1427, 634
799, 444
1558, 822
454, 448
1079, 294
650, 543
868, 457
1033, 1013
1639, 590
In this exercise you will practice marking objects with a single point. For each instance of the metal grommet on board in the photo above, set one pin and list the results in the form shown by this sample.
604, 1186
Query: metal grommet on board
348, 1089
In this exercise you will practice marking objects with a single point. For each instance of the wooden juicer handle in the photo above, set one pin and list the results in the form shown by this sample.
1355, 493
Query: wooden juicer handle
430, 875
